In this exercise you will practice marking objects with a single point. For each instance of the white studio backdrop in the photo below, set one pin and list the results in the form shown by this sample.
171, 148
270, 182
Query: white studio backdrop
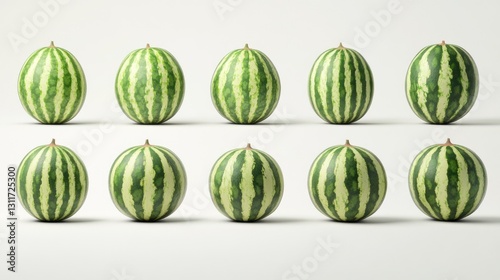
297, 242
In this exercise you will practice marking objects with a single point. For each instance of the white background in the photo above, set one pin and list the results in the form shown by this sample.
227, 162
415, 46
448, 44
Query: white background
397, 242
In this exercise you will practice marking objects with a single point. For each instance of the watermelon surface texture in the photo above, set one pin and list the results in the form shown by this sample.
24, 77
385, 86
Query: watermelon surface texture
442, 83
52, 85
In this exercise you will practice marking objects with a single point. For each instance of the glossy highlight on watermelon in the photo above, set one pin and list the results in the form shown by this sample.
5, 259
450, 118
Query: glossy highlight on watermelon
341, 85
347, 183
52, 85
447, 181
246, 184
52, 182
245, 86
149, 85
442, 83
147, 182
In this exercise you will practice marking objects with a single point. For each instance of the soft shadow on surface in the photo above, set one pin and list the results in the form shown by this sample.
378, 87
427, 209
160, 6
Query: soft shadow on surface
383, 220
163, 221
70, 123
478, 122
476, 220
67, 221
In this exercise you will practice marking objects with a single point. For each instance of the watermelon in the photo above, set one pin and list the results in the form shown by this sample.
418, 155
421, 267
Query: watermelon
447, 181
52, 182
147, 182
245, 86
347, 183
149, 85
442, 83
246, 184
52, 85
340, 85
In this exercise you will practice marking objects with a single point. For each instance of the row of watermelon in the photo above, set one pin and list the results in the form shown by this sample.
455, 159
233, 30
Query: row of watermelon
441, 85
346, 183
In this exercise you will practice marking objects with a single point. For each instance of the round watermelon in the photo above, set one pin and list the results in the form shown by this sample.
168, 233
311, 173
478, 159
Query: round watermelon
52, 182
149, 85
147, 182
347, 183
52, 85
245, 86
447, 181
246, 184
341, 85
442, 83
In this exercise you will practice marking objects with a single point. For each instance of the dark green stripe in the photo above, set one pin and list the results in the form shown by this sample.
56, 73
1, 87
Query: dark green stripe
52, 178
116, 183
139, 91
453, 183
456, 85
22, 176
328, 108
374, 177
226, 92
279, 185
341, 106
430, 184
156, 82
314, 92
432, 98
66, 181
124, 84
457, 88
173, 81
217, 175
415, 176
413, 86
270, 97
314, 174
37, 183
80, 186
244, 89
475, 192
258, 172
236, 194
352, 185
68, 112
179, 176
159, 184
330, 191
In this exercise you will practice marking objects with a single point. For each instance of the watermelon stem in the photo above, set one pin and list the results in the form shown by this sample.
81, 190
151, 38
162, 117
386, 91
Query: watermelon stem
443, 43
249, 147
147, 143
448, 142
52, 143
52, 44
340, 46
148, 46
246, 47
347, 143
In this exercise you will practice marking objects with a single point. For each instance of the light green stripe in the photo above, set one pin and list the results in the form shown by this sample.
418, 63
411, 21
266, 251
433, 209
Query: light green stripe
464, 80
341, 191
246, 186
363, 183
323, 173
423, 76
169, 180
269, 185
444, 85
29, 182
420, 187
45, 185
236, 86
441, 181
226, 187
463, 182
128, 181
149, 184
